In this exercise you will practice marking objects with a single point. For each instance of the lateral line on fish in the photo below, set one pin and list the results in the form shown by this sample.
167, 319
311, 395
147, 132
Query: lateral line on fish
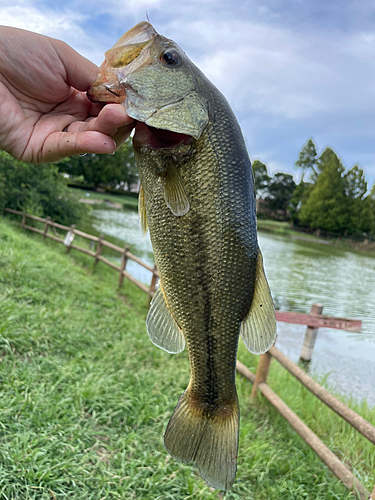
216, 280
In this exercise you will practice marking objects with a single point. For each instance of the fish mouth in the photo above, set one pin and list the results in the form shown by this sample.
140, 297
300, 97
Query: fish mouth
107, 88
114, 85
156, 138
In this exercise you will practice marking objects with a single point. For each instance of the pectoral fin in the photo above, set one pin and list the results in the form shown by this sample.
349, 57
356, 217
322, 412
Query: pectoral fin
258, 329
161, 327
174, 191
142, 210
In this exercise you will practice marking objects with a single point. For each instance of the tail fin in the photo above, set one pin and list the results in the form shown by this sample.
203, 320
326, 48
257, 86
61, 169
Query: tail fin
210, 439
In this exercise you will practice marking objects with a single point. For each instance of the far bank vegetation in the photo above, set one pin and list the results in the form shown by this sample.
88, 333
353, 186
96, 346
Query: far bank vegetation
328, 200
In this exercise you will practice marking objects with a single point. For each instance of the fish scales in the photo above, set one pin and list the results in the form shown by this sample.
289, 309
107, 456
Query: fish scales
197, 200
205, 255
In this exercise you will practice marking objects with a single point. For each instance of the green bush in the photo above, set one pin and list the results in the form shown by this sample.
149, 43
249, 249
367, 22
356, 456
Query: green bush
38, 190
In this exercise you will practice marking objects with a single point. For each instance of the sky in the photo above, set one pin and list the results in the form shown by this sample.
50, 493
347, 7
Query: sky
290, 70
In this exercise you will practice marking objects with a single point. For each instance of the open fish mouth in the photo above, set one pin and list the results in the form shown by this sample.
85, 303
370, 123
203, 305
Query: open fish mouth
156, 138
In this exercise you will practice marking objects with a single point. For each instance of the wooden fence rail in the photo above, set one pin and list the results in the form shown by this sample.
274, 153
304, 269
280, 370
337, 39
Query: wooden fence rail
100, 241
259, 380
324, 453
314, 320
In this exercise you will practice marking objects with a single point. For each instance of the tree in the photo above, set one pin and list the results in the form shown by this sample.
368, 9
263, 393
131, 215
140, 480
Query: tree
371, 202
37, 189
261, 177
359, 207
371, 197
324, 159
355, 183
118, 170
300, 195
307, 158
326, 206
280, 190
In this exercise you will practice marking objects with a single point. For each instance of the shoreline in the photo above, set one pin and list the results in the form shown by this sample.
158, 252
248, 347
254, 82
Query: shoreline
282, 229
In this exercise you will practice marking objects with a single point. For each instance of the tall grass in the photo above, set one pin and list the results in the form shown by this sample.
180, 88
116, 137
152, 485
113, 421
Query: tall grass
86, 397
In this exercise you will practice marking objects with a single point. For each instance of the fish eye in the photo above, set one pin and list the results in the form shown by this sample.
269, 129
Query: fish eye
170, 57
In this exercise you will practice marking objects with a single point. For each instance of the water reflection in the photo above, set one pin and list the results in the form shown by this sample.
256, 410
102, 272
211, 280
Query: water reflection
300, 273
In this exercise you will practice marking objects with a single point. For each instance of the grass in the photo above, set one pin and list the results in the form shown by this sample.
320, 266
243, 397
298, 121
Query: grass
126, 201
86, 397
281, 228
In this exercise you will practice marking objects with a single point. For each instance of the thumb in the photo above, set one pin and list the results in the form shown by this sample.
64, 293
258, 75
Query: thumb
80, 72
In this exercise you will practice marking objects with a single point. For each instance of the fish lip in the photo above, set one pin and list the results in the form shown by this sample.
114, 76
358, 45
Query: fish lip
111, 91
104, 94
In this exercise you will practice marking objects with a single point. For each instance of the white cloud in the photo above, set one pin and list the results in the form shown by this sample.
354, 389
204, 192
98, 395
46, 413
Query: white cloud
286, 76
28, 17
61, 24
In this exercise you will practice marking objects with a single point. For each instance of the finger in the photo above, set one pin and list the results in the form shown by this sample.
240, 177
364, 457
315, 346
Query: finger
122, 134
58, 145
111, 118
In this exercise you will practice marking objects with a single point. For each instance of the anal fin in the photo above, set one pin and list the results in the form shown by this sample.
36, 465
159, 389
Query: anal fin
258, 329
162, 329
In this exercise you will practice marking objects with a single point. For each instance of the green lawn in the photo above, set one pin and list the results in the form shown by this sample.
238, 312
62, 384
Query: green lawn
126, 201
280, 227
86, 397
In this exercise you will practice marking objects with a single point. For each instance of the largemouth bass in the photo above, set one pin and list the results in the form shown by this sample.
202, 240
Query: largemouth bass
197, 200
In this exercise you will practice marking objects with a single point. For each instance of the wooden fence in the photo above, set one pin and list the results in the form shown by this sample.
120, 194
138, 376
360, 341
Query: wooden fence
314, 320
100, 241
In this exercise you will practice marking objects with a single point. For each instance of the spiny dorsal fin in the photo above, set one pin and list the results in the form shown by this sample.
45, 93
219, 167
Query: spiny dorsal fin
174, 191
258, 329
142, 210
161, 327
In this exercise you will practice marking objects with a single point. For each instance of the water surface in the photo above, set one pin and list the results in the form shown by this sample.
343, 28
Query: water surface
300, 273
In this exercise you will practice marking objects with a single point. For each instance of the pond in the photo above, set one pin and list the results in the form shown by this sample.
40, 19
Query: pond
300, 273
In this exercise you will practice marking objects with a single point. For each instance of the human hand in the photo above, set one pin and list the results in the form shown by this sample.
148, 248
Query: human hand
42, 93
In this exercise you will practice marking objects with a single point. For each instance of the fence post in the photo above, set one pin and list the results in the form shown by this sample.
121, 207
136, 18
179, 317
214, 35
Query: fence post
153, 283
69, 246
23, 219
124, 261
46, 227
99, 249
262, 371
310, 337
